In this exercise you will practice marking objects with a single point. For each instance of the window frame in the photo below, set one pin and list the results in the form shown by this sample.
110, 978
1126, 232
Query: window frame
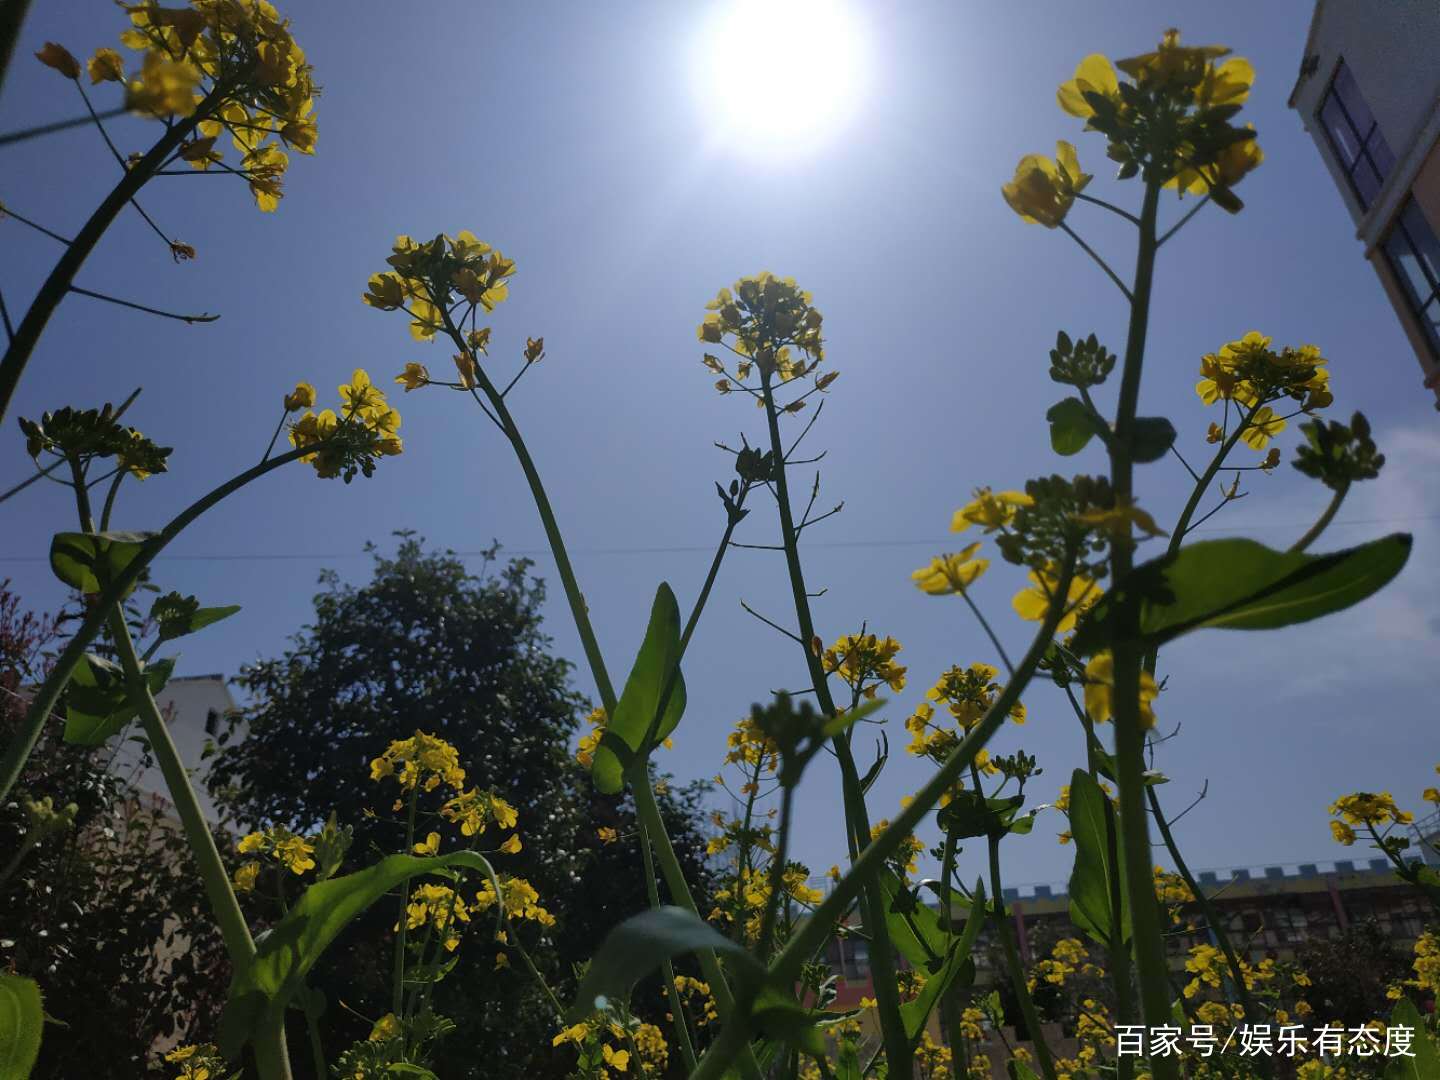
1364, 154
1417, 304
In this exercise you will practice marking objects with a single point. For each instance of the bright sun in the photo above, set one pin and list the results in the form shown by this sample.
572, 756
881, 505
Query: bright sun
780, 76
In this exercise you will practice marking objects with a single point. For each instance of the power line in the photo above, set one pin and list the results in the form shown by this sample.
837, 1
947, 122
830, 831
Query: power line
675, 549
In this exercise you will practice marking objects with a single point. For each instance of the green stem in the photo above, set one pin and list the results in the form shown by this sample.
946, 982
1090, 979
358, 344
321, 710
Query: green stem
882, 954
1151, 967
677, 1011
1006, 934
53, 291
814, 931
951, 1023
43, 704
1323, 523
402, 932
1117, 954
269, 1041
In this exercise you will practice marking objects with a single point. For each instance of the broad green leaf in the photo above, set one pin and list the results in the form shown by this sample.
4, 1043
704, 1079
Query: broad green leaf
22, 1016
1020, 1071
640, 699
1072, 426
847, 1064
778, 1015
1243, 585
1092, 824
285, 955
97, 702
638, 945
916, 1012
177, 615
81, 560
1425, 1065
1153, 437
915, 928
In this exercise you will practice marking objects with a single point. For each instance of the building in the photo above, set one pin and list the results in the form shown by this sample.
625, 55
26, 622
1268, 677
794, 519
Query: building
192, 706
1369, 95
1269, 911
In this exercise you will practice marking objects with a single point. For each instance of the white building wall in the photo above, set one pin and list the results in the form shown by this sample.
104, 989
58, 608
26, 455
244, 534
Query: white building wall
188, 703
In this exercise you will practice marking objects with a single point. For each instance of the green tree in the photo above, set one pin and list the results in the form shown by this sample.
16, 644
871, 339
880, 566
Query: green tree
426, 645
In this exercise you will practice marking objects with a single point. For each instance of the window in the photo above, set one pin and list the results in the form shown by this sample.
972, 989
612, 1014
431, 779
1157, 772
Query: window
1355, 137
1414, 255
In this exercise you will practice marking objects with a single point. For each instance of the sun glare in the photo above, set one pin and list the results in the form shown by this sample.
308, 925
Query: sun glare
779, 77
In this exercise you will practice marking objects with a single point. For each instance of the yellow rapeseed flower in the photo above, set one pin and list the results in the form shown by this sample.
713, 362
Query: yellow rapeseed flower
1100, 687
1033, 603
1043, 190
949, 574
990, 510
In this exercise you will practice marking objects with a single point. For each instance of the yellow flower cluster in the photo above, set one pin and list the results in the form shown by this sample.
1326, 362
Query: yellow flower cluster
865, 661
696, 993
1367, 810
229, 65
906, 855
1151, 125
765, 322
520, 899
364, 431
475, 810
431, 279
952, 573
599, 1042
1100, 687
968, 694
585, 752
198, 1062
420, 762
1208, 966
932, 1059
438, 908
748, 746
1251, 374
293, 852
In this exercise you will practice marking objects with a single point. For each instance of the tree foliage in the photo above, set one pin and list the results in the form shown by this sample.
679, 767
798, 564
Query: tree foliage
426, 645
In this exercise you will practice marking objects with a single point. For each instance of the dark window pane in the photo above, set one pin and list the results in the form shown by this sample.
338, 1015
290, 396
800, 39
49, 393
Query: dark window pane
1380, 153
1423, 237
1414, 253
1366, 180
1430, 320
1342, 135
1348, 92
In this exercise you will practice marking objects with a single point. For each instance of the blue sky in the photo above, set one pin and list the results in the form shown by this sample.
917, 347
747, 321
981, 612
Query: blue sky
573, 137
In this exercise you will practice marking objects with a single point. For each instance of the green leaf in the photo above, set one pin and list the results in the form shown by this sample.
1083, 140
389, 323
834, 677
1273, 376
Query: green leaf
178, 615
97, 702
22, 1016
81, 560
915, 928
1072, 426
970, 814
778, 1015
1426, 1062
284, 956
638, 945
1092, 824
1152, 439
635, 711
1243, 585
1020, 1071
915, 1013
